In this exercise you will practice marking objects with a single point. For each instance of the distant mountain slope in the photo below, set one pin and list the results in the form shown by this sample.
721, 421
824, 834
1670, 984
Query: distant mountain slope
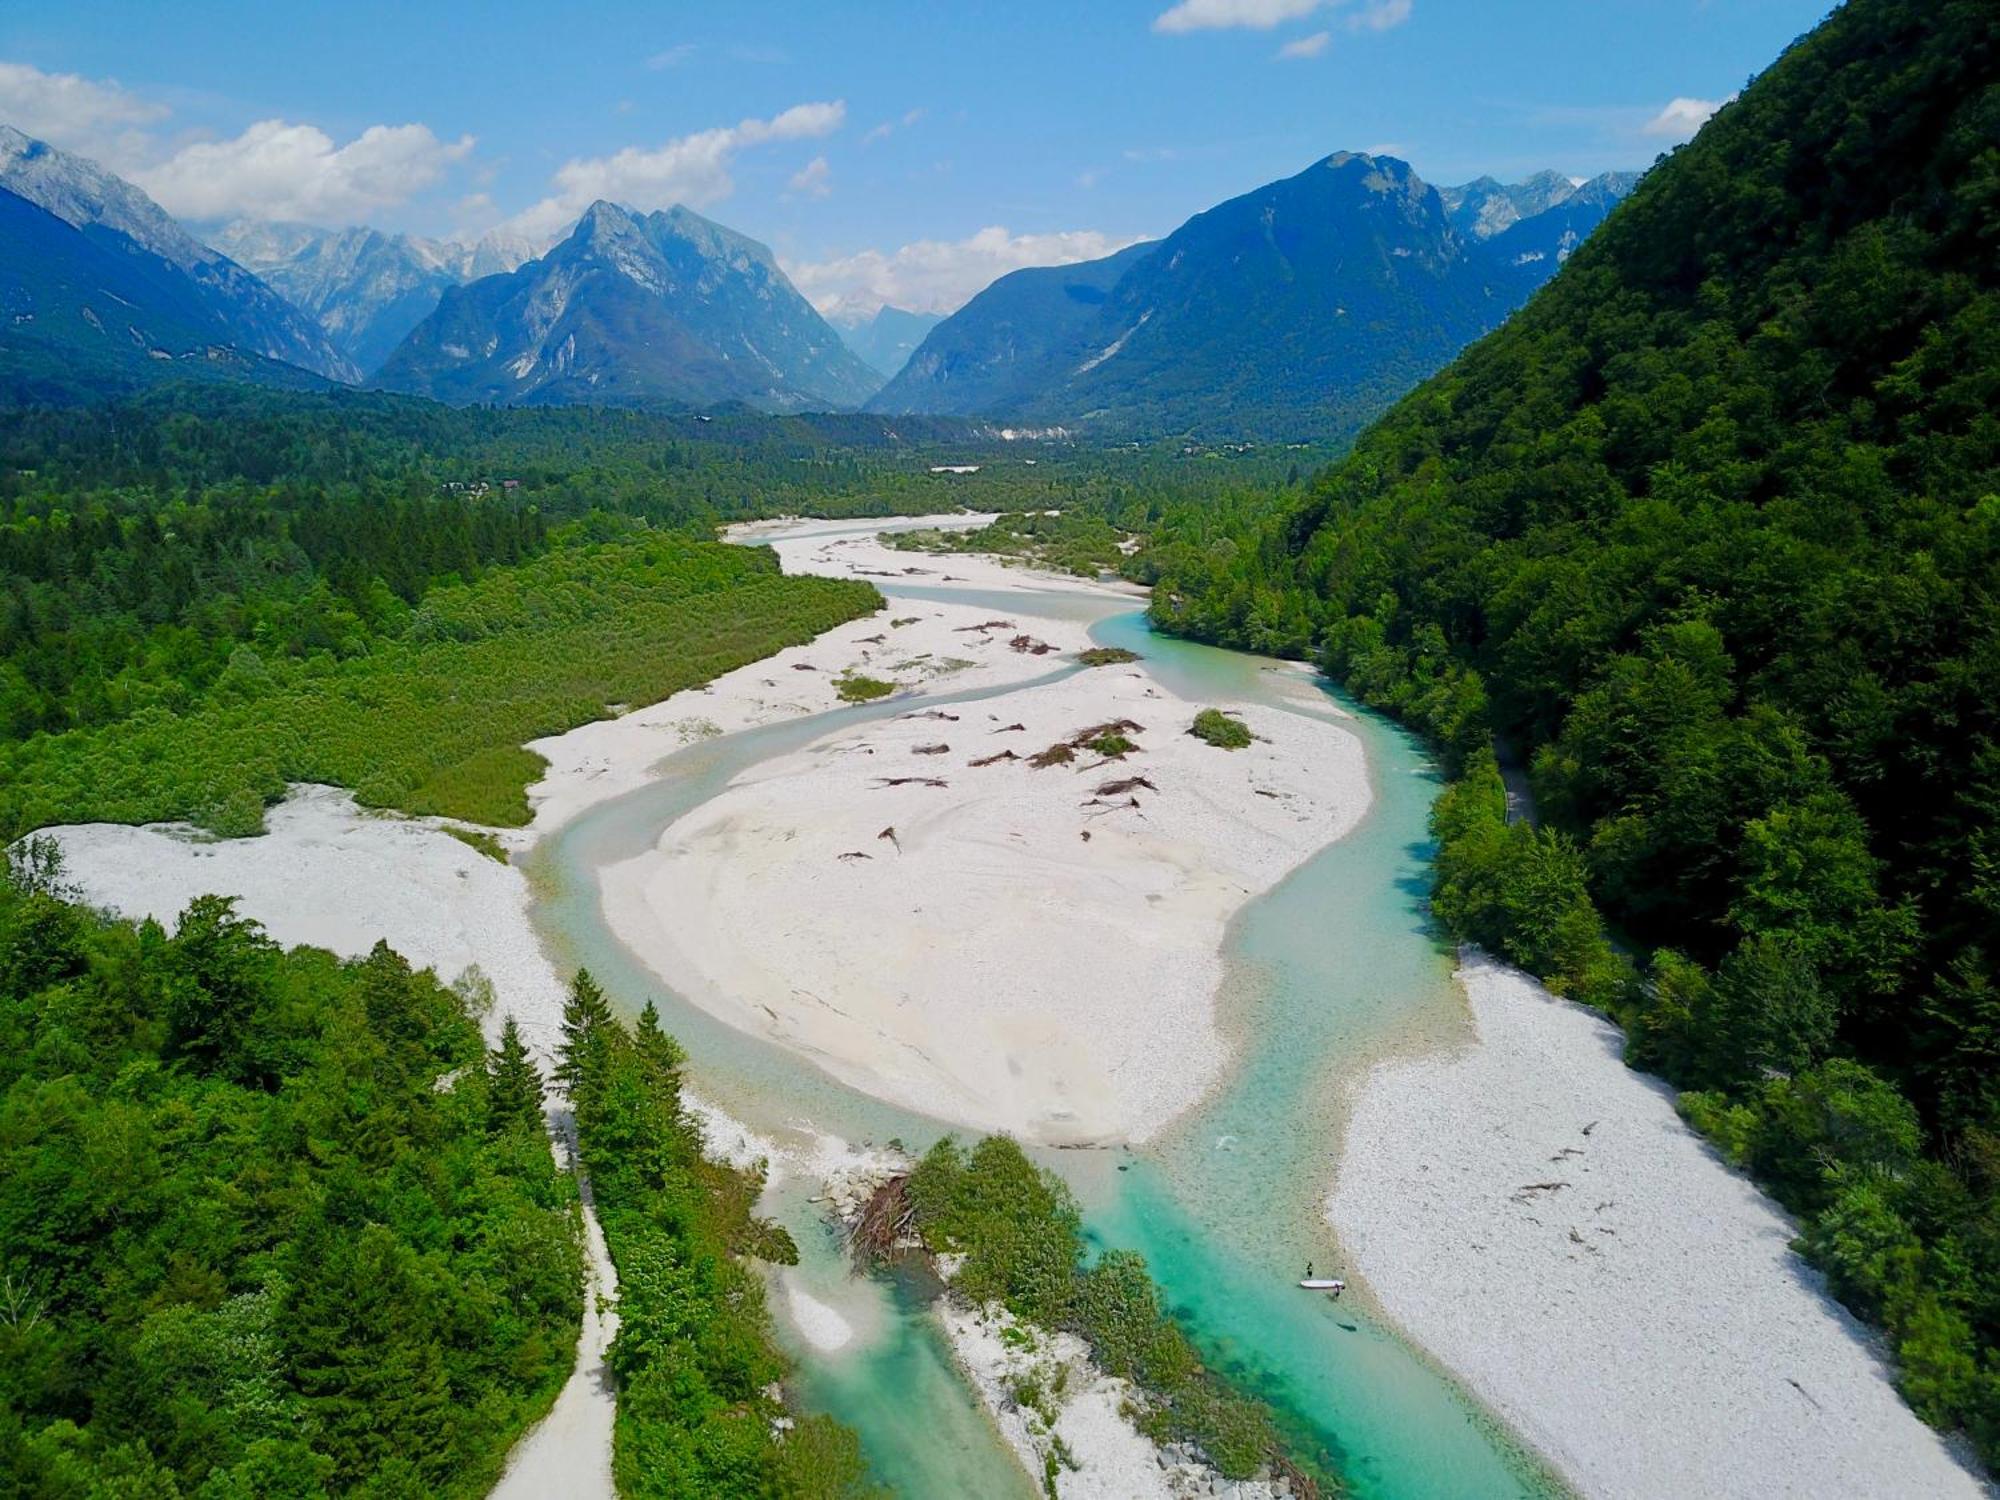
88, 315
112, 211
1300, 309
366, 289
1484, 207
886, 341
665, 308
1003, 348
1552, 235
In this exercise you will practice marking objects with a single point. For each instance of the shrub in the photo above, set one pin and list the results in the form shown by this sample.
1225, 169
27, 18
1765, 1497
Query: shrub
853, 687
1221, 730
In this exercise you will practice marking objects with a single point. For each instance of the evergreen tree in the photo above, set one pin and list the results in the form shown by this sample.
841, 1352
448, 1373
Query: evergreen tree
585, 1024
662, 1054
514, 1094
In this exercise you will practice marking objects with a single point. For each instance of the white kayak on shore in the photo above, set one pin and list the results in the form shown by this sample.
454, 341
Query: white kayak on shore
1323, 1284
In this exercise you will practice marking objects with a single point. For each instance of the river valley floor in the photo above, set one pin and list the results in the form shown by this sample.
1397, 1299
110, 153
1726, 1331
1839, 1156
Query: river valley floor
1688, 1352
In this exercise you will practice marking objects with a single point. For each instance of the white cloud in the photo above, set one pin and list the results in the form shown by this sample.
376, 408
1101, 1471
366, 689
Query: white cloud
278, 170
1683, 117
1262, 15
1220, 15
1381, 15
274, 170
100, 120
691, 169
887, 128
938, 275
813, 178
670, 57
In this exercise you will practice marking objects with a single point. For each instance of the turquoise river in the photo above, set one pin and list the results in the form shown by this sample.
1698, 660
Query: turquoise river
1325, 973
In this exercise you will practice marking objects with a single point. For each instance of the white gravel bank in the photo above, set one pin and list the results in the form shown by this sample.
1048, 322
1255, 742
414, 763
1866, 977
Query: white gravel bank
1537, 1215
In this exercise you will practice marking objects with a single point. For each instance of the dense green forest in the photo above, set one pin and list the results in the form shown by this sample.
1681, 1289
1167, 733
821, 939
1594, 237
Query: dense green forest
1087, 540
1708, 536
265, 1228
680, 470
699, 1414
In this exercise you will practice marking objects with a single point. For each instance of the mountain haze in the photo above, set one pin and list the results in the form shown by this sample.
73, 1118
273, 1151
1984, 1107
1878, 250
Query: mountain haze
665, 308
1009, 343
85, 315
885, 341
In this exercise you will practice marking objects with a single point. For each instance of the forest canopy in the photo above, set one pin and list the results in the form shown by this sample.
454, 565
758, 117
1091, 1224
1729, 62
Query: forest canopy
263, 1231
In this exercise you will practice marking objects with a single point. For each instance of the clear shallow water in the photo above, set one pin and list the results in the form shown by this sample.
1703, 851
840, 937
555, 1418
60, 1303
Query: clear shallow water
1325, 973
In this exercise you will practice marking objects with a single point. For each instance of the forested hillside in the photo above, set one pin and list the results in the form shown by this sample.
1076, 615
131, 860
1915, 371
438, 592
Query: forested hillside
1709, 534
264, 1228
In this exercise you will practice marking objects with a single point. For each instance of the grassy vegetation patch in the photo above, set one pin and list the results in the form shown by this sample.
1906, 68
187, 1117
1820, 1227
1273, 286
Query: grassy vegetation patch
1106, 656
1078, 540
857, 687
1224, 731
481, 840
434, 723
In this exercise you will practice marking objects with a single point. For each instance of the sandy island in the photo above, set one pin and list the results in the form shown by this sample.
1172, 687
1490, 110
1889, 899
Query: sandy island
920, 910
1537, 1215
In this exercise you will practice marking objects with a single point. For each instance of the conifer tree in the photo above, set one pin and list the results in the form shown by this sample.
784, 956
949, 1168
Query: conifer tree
585, 1024
663, 1055
514, 1097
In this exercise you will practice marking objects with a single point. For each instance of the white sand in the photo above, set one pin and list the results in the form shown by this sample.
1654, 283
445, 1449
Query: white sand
851, 550
934, 652
334, 876
1646, 1326
991, 965
822, 1326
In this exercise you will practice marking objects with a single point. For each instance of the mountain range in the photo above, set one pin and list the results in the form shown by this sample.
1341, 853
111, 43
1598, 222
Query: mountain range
667, 308
1298, 310
886, 339
1302, 308
366, 289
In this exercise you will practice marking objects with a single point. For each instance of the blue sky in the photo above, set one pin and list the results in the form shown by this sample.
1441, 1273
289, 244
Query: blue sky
893, 150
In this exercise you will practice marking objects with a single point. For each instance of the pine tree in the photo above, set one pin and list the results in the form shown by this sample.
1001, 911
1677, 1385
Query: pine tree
586, 1020
514, 1096
663, 1055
